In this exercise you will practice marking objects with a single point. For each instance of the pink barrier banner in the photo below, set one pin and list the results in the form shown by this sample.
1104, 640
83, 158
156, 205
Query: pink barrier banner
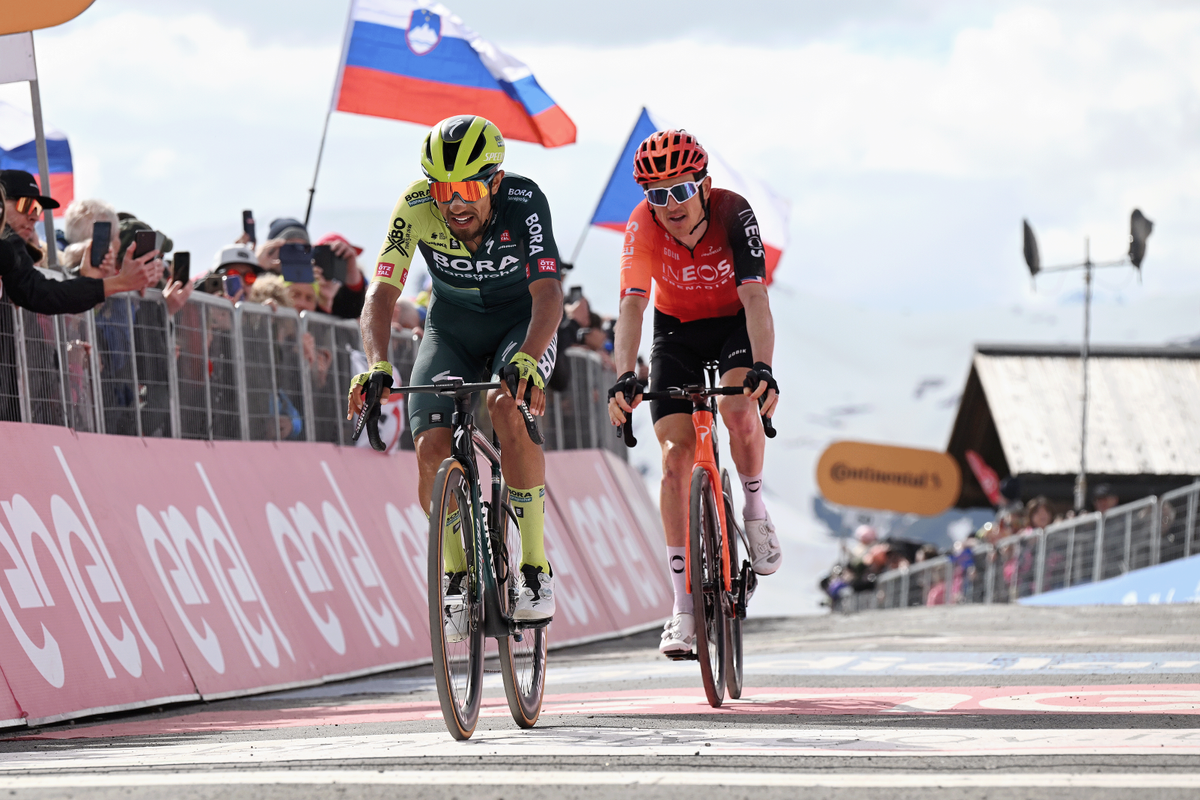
83, 632
139, 572
628, 569
10, 712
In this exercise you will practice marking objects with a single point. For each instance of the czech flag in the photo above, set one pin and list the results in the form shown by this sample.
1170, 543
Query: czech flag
414, 60
623, 194
18, 150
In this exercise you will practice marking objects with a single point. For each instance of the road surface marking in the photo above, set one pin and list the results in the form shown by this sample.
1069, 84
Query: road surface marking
870, 780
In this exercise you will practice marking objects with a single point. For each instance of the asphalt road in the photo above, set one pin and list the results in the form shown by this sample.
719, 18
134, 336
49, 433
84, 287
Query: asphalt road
995, 702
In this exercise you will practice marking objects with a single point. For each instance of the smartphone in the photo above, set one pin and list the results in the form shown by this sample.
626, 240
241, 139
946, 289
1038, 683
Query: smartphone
574, 294
232, 284
333, 267
295, 262
101, 241
181, 267
146, 241
248, 225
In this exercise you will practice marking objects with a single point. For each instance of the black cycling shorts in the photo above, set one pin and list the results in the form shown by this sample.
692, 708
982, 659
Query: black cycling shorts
680, 350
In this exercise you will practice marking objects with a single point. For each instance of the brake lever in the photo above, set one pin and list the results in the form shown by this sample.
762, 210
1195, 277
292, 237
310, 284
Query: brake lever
369, 416
768, 426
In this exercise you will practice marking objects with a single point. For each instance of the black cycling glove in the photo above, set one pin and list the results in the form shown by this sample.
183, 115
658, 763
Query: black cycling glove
760, 372
628, 385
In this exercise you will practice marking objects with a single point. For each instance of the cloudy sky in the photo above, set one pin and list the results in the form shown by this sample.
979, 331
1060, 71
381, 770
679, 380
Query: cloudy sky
911, 137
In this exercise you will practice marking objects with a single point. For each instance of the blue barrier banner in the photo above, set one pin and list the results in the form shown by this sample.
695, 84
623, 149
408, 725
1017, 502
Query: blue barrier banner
1173, 582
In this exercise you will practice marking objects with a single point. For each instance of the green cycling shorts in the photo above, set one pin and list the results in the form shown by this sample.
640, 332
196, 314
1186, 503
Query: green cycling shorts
473, 345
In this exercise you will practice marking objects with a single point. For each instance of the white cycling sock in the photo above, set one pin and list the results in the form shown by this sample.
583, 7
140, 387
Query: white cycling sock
752, 489
677, 562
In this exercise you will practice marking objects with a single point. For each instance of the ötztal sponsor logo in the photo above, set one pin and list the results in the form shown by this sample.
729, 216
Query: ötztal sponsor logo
78, 553
384, 269
546, 265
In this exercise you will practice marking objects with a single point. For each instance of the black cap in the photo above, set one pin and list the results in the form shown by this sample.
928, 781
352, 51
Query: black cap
278, 226
19, 183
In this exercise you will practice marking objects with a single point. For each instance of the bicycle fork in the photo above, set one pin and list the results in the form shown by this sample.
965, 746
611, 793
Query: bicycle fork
706, 446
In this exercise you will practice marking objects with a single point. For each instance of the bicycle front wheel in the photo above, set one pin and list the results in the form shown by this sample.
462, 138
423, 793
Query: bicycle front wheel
708, 586
455, 610
523, 654
733, 631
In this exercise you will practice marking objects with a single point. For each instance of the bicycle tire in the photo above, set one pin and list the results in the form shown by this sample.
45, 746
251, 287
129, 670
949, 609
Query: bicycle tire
733, 630
522, 662
457, 665
708, 587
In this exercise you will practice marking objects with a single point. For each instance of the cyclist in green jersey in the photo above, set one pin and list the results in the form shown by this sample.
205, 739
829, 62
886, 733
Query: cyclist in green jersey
496, 304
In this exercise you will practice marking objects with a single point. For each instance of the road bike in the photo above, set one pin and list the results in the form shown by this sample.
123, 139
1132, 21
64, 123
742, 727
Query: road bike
465, 606
720, 587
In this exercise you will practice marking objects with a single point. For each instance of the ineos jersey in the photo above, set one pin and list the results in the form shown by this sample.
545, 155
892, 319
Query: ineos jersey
518, 247
700, 283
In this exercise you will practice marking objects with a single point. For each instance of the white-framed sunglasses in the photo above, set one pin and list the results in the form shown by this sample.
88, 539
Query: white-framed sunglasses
682, 192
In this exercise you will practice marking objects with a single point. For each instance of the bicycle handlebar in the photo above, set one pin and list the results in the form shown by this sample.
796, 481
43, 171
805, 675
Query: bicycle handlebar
458, 388
693, 393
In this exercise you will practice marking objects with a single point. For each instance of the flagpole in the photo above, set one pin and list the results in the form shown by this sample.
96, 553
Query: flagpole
39, 135
616, 166
337, 86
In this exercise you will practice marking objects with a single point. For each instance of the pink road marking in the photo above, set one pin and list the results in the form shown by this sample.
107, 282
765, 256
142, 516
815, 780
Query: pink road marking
1136, 699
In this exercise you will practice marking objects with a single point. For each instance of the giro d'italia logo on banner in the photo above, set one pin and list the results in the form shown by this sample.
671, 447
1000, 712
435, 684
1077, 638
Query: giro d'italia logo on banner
424, 31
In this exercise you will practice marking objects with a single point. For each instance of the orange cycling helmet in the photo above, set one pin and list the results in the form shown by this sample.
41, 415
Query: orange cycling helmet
668, 154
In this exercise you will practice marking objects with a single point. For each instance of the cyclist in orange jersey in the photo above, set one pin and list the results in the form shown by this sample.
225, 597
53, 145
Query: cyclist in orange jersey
701, 249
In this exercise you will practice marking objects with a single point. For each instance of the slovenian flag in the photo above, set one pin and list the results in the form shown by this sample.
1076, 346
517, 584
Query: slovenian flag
414, 60
18, 150
623, 194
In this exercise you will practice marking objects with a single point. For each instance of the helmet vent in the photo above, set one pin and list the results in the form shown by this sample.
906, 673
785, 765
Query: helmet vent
476, 151
449, 155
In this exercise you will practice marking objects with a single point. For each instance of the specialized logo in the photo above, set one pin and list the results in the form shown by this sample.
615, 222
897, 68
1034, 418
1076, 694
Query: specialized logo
384, 269
505, 237
424, 31
546, 265
493, 156
444, 375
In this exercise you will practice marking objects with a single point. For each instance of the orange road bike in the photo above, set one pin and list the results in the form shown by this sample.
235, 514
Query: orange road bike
490, 541
719, 585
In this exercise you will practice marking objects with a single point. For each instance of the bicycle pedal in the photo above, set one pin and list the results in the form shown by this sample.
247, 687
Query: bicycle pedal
688, 656
531, 624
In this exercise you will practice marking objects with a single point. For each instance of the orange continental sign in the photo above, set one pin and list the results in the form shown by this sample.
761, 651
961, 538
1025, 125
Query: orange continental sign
32, 16
901, 479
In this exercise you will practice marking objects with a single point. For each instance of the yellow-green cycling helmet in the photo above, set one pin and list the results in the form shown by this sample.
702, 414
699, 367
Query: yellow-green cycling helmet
463, 148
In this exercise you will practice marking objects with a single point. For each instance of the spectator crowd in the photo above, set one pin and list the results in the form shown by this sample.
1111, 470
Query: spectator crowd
243, 270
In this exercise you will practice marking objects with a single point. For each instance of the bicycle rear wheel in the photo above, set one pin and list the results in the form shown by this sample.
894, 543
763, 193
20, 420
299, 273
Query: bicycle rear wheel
523, 654
708, 586
455, 620
733, 631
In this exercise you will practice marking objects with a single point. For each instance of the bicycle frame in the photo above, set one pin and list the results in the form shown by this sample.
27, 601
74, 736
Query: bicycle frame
466, 442
704, 421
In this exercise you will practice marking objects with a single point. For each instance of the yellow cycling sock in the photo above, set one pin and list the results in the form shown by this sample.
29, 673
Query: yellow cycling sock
452, 549
530, 508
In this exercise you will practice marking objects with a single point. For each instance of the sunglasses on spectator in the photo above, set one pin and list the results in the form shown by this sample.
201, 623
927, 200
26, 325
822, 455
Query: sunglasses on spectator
469, 191
248, 276
29, 205
682, 192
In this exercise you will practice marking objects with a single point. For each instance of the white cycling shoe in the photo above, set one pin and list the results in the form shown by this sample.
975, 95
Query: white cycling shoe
535, 595
765, 553
678, 635
455, 614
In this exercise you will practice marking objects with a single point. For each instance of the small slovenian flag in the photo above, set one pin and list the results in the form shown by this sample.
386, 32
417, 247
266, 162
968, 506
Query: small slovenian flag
623, 194
18, 150
414, 60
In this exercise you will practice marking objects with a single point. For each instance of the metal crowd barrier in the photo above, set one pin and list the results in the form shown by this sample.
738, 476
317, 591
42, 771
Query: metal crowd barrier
1087, 548
217, 371
577, 418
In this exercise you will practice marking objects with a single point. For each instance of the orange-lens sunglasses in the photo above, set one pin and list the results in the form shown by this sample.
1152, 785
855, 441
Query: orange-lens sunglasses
469, 191
29, 205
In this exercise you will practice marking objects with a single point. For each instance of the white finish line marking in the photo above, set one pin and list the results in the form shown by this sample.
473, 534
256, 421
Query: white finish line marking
873, 780
547, 742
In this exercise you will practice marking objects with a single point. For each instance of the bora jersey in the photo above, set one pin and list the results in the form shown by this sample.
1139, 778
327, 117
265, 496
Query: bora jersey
518, 248
700, 283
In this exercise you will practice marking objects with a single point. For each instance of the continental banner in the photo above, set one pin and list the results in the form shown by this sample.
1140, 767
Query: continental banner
137, 572
903, 479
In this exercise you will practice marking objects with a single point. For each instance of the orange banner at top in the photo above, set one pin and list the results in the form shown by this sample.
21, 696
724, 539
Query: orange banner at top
880, 476
21, 17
